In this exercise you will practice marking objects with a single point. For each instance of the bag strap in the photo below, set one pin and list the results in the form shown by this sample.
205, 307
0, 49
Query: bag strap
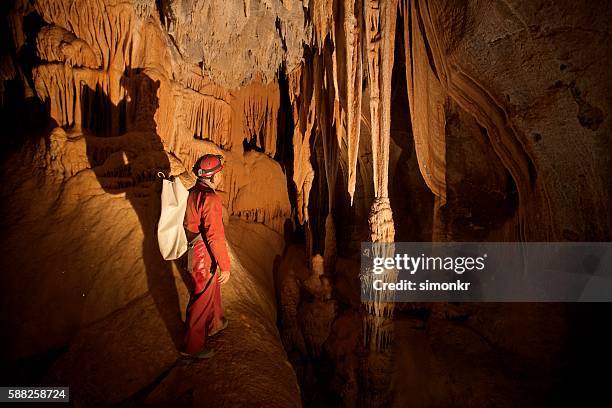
189, 259
208, 283
202, 198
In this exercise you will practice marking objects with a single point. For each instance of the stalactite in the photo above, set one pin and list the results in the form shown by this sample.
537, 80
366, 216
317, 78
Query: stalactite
193, 107
260, 189
95, 35
144, 8
80, 98
337, 115
53, 82
260, 105
62, 86
105, 26
380, 20
192, 78
303, 98
322, 14
208, 118
99, 78
83, 35
354, 73
380, 35
318, 208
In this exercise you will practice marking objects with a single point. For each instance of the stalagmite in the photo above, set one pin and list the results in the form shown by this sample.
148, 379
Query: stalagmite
292, 336
352, 30
317, 316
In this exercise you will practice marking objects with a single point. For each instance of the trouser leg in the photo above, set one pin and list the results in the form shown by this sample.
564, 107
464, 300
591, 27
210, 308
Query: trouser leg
217, 307
200, 313
204, 311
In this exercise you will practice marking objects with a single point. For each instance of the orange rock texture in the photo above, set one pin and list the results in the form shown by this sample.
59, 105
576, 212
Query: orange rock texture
339, 121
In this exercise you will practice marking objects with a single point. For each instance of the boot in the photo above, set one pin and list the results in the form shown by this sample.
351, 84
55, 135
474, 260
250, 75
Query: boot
223, 326
205, 353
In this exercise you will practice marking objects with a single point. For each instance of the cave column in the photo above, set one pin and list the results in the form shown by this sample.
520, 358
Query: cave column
380, 18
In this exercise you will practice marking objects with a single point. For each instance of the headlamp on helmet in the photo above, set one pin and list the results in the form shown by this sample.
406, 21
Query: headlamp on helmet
208, 165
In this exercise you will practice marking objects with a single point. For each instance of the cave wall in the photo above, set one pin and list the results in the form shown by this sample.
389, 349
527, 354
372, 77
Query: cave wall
465, 158
509, 71
542, 63
449, 120
123, 101
124, 104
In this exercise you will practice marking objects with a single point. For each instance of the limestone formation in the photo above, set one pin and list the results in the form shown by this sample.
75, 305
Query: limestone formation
339, 122
303, 100
354, 72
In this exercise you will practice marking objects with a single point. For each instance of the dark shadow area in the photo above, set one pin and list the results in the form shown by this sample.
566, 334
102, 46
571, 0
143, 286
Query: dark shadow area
289, 235
25, 120
128, 163
251, 144
318, 201
284, 139
411, 200
166, 16
18, 101
31, 370
585, 366
344, 217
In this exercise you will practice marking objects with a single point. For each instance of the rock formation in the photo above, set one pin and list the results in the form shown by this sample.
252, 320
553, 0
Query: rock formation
340, 122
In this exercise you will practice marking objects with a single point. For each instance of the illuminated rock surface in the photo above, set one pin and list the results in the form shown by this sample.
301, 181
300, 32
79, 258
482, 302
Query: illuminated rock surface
340, 122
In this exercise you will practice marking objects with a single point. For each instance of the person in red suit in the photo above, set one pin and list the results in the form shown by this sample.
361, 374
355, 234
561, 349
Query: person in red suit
207, 250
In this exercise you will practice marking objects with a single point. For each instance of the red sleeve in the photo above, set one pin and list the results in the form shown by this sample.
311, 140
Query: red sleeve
212, 218
192, 215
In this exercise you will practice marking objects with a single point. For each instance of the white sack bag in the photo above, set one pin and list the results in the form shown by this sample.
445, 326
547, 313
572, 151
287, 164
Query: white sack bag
170, 232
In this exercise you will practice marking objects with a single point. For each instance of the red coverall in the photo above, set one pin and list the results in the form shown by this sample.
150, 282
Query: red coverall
205, 312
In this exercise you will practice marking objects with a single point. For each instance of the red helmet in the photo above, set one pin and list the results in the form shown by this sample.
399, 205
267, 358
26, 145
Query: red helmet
208, 165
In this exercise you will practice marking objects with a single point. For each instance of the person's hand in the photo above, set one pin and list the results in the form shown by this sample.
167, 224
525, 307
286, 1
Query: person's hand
224, 277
